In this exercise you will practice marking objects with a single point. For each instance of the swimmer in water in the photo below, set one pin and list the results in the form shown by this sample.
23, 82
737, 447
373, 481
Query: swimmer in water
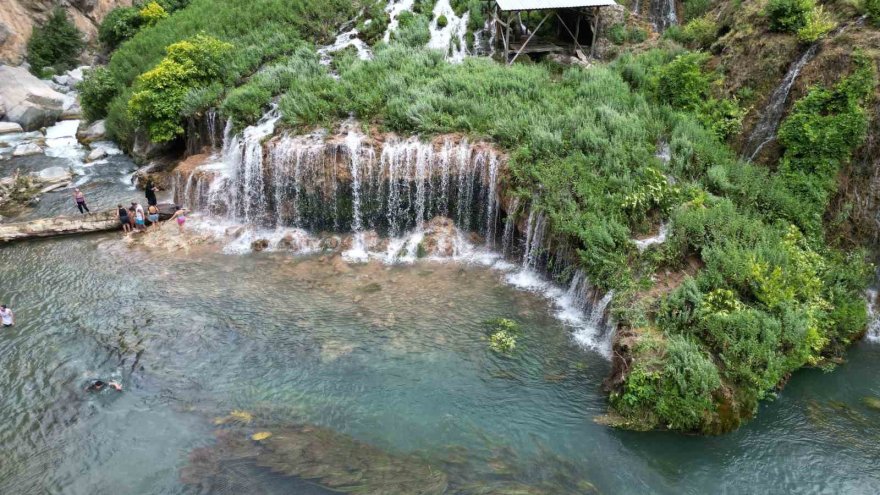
98, 385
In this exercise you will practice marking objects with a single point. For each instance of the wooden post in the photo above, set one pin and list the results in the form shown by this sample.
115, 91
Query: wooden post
577, 32
523, 47
507, 39
562, 22
596, 14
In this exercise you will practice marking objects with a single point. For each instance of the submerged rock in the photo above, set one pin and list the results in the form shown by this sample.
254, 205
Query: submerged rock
322, 456
872, 402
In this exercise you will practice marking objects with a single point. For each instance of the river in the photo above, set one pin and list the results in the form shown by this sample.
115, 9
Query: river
393, 356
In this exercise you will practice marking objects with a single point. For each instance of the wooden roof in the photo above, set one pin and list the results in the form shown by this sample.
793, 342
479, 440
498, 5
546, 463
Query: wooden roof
507, 5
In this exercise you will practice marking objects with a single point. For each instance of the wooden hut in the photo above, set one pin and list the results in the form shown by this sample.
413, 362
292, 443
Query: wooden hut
577, 23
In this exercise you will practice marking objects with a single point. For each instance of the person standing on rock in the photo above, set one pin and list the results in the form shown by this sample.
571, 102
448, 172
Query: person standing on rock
80, 199
153, 215
180, 215
140, 222
150, 193
122, 215
7, 317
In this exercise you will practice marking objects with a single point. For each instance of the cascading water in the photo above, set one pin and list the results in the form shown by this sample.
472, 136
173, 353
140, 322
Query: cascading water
765, 130
663, 14
450, 38
396, 197
873, 297
394, 9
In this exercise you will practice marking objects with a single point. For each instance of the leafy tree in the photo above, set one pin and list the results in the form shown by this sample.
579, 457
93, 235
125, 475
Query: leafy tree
160, 94
56, 44
120, 24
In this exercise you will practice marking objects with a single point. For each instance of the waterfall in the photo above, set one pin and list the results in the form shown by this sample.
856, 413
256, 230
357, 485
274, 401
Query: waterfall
509, 228
397, 198
451, 38
765, 130
348, 182
343, 41
663, 14
394, 9
873, 297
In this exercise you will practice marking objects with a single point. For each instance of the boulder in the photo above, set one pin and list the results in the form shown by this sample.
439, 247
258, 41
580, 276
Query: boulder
54, 174
61, 79
29, 101
96, 154
27, 149
9, 127
96, 131
48, 227
260, 245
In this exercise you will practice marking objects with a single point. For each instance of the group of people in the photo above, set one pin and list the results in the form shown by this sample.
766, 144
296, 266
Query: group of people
135, 218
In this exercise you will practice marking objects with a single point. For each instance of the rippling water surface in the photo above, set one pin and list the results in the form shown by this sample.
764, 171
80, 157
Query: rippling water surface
395, 357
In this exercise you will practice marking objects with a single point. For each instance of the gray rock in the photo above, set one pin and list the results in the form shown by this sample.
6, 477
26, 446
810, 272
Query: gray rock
96, 154
5, 33
8, 127
28, 100
75, 76
54, 174
61, 79
27, 149
95, 132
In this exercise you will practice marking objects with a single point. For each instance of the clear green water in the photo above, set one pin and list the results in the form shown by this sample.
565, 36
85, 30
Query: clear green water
404, 368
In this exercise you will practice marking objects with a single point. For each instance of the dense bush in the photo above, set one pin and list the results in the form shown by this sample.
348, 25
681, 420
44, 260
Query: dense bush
159, 94
119, 25
96, 91
819, 23
151, 13
872, 8
262, 31
682, 83
695, 8
413, 30
56, 44
698, 33
621, 33
789, 16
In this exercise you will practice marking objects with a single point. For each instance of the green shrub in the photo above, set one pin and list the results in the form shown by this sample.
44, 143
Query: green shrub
159, 96
682, 82
96, 91
789, 16
152, 13
695, 8
620, 34
872, 8
56, 44
372, 31
723, 117
442, 22
413, 30
119, 25
819, 23
699, 33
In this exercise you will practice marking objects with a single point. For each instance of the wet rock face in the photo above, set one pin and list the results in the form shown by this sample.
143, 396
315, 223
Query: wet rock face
29, 101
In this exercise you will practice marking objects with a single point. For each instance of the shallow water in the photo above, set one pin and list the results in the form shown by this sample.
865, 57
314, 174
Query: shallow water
394, 356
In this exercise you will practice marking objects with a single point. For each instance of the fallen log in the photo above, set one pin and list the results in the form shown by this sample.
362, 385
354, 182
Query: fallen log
69, 225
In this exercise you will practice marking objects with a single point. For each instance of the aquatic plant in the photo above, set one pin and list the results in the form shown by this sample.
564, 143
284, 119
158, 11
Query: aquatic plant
503, 335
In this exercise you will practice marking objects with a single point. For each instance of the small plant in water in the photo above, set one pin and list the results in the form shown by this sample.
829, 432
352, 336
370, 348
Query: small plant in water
503, 334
